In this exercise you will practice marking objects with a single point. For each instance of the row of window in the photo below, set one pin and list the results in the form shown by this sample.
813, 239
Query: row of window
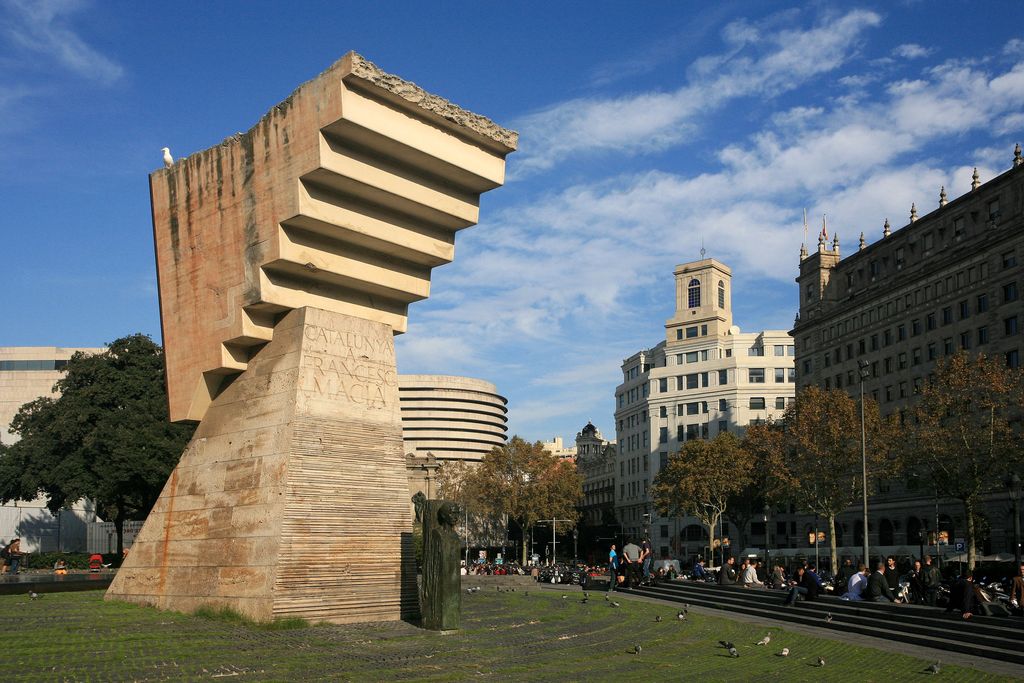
31, 365
900, 390
967, 339
922, 295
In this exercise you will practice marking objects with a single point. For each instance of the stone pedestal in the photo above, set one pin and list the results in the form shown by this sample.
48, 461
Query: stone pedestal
292, 498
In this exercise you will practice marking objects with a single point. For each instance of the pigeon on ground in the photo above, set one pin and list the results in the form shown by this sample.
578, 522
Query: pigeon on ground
32, 595
821, 661
564, 596
733, 652
615, 604
658, 619
828, 618
637, 649
586, 595
767, 639
785, 652
681, 616
934, 668
168, 159
606, 598
726, 644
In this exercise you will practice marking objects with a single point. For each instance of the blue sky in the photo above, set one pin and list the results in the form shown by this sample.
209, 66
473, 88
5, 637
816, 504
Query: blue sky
645, 128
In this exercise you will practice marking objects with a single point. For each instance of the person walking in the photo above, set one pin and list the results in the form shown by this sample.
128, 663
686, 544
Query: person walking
931, 581
646, 556
631, 555
613, 568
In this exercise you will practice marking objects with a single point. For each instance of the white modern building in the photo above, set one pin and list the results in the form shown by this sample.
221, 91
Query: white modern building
704, 378
28, 373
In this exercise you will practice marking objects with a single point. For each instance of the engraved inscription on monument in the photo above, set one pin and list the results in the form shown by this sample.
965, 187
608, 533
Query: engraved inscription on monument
349, 366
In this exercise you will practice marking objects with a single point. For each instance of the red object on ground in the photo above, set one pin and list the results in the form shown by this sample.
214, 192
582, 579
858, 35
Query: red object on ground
95, 562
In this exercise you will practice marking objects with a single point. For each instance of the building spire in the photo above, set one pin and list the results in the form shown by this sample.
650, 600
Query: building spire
942, 196
885, 229
835, 243
913, 212
975, 182
1017, 159
862, 245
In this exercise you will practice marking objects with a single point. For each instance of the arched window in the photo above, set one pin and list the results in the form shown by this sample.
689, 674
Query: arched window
694, 293
885, 533
721, 294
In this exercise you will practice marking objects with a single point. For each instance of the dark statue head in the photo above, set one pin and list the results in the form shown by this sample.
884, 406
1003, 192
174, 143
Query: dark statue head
448, 514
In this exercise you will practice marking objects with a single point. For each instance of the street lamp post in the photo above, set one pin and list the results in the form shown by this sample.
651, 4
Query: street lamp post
1013, 486
864, 374
767, 542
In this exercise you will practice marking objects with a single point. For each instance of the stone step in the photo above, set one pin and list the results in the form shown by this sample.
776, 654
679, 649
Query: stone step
945, 634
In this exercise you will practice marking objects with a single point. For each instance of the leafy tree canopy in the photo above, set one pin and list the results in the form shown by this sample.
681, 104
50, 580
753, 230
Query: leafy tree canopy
527, 483
965, 432
702, 478
821, 468
106, 437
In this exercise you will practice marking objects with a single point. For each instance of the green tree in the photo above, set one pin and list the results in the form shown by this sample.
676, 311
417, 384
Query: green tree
107, 437
526, 483
701, 479
820, 454
760, 444
965, 432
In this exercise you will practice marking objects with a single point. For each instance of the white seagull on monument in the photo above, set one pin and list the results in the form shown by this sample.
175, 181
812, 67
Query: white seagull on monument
168, 159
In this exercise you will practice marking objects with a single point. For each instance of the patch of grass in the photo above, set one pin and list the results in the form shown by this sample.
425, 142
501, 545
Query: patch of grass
504, 636
230, 616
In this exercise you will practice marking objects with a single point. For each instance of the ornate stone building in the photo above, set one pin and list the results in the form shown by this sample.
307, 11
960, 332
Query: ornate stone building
704, 378
948, 280
595, 461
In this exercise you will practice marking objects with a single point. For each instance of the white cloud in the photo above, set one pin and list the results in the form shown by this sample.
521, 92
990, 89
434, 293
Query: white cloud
756, 63
578, 271
40, 27
911, 51
1014, 47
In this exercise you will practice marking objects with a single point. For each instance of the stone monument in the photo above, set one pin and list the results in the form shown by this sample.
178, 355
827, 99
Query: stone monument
287, 257
440, 590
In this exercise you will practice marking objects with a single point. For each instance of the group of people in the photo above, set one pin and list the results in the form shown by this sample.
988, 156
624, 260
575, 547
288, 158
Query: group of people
632, 567
11, 555
882, 582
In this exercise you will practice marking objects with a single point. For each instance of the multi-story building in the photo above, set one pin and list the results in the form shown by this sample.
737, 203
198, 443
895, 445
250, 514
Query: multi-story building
447, 418
595, 462
557, 448
949, 280
704, 378
28, 373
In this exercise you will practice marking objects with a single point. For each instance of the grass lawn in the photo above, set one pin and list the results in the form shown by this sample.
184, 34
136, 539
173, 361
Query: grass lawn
522, 636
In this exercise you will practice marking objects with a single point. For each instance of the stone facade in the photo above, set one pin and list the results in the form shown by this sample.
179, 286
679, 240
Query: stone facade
948, 280
704, 378
287, 257
343, 197
595, 461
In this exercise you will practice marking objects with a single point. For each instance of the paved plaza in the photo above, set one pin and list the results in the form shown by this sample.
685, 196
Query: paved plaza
526, 635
